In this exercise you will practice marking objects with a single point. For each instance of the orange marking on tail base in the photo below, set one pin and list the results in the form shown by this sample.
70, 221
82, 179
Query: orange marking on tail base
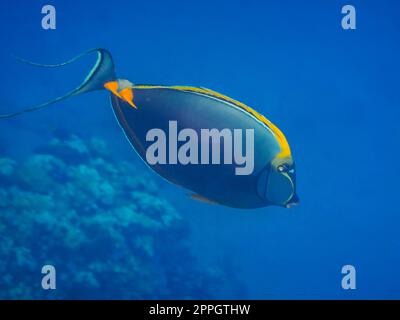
127, 95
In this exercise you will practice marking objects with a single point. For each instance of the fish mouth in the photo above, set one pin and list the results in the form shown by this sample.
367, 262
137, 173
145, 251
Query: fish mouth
294, 201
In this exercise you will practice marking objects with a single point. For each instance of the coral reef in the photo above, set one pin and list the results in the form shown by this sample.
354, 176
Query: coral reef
103, 225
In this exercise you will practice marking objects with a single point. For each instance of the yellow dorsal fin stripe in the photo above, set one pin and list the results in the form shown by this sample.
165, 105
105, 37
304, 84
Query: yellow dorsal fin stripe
285, 149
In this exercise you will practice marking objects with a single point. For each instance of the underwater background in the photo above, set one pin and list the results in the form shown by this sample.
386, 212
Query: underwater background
74, 194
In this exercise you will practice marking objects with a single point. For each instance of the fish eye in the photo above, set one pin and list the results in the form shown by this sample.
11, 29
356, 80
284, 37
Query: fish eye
282, 168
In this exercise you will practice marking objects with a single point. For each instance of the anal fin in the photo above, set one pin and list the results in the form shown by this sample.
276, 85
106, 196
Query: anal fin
202, 199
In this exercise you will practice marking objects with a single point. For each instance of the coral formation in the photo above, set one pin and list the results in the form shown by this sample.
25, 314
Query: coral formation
103, 225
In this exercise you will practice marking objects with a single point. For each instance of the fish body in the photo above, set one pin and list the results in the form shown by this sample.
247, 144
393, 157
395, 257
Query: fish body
159, 105
198, 108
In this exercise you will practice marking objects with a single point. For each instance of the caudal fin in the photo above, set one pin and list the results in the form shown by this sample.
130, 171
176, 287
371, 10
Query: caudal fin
102, 72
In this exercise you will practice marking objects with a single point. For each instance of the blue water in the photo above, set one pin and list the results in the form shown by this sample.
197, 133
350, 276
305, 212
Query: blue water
333, 92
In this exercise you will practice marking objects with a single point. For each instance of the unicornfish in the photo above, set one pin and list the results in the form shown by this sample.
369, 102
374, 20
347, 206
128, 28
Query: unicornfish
220, 149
